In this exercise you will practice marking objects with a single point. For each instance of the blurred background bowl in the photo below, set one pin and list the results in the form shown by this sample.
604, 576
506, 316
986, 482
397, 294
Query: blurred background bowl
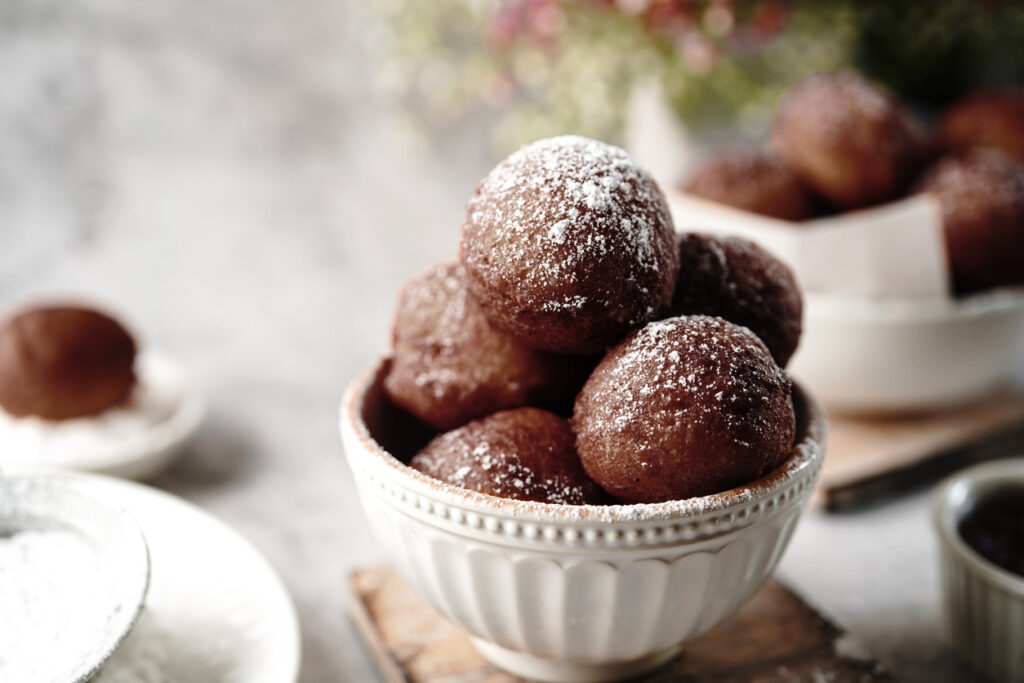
884, 356
983, 616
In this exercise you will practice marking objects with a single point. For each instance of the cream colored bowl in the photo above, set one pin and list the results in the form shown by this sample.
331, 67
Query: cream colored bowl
574, 593
983, 604
904, 355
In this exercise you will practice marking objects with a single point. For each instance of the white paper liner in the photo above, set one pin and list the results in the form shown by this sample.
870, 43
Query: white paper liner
894, 250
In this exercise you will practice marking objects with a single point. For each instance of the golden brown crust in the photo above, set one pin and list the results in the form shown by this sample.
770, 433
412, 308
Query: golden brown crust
62, 362
451, 365
684, 407
981, 193
569, 245
850, 141
751, 179
524, 453
738, 280
991, 117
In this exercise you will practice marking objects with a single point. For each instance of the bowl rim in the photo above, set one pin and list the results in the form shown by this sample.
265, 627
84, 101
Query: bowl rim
803, 464
953, 498
1000, 301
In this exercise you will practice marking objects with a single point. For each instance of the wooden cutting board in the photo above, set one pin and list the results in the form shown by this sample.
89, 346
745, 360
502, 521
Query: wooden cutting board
869, 458
776, 636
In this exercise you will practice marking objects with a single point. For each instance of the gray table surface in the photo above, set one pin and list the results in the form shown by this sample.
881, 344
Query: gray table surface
225, 175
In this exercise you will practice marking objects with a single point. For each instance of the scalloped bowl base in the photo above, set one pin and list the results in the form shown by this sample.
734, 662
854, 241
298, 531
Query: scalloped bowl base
558, 671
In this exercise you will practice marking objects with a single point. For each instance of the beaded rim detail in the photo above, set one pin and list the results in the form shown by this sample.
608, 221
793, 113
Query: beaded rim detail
578, 527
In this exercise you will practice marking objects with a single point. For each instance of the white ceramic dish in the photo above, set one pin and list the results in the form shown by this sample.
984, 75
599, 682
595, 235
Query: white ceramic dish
64, 514
216, 612
574, 593
881, 333
983, 614
859, 355
135, 442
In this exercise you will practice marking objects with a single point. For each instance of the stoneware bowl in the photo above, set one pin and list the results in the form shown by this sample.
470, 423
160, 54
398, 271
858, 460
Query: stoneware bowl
983, 604
881, 356
573, 593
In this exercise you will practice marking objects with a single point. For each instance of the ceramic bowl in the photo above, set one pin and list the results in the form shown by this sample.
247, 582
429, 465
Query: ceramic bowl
573, 593
902, 355
983, 604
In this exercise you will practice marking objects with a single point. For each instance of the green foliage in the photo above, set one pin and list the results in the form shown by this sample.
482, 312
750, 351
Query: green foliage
557, 66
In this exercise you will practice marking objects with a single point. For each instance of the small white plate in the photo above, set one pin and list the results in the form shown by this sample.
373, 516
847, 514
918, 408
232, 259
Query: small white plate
135, 442
48, 523
216, 611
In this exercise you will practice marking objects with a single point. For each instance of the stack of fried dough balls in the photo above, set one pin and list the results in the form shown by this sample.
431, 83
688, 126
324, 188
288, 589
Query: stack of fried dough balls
578, 351
841, 143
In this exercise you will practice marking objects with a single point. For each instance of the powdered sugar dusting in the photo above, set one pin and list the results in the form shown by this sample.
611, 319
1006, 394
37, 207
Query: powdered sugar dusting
565, 213
657, 349
840, 100
451, 365
840, 120
559, 230
974, 184
51, 599
680, 384
526, 454
156, 399
435, 312
802, 465
736, 279
753, 179
981, 194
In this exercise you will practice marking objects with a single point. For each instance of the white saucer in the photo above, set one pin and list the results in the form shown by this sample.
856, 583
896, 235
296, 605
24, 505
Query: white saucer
73, 576
216, 611
135, 442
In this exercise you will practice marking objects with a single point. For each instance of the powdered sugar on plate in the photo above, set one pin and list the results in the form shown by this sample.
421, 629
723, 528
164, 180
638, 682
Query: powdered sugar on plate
144, 656
67, 443
215, 613
51, 600
74, 572
134, 440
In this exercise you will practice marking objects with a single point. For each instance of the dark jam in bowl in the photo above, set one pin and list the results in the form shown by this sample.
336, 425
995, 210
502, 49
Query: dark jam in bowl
994, 527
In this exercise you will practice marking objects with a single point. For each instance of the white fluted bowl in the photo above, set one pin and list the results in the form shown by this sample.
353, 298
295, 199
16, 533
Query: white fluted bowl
573, 593
983, 604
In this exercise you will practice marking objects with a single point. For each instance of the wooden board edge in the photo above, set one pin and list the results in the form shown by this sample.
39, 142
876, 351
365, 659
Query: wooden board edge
841, 647
844, 646
359, 614
928, 441
835, 492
